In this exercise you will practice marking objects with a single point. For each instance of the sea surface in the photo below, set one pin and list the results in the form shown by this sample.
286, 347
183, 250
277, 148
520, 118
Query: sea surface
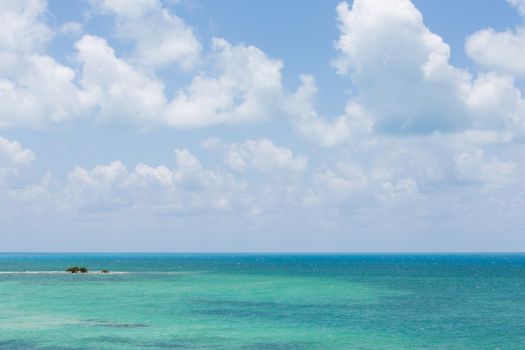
262, 302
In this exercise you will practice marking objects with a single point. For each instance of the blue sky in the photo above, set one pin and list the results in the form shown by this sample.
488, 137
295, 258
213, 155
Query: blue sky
193, 125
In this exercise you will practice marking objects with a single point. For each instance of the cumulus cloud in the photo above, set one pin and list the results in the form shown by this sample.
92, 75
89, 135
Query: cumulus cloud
404, 83
399, 67
22, 192
160, 37
13, 157
244, 85
419, 136
263, 155
184, 188
71, 28
402, 181
100, 176
473, 166
418, 170
188, 187
342, 180
23, 28
354, 123
240, 83
496, 104
241, 87
44, 93
519, 4
13, 154
497, 51
116, 89
34, 89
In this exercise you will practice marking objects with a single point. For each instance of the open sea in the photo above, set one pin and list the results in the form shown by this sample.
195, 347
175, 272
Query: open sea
262, 302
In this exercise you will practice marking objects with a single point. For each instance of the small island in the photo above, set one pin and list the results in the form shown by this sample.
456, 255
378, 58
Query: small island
76, 269
81, 269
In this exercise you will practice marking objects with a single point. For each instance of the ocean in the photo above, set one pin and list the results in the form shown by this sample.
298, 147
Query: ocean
262, 301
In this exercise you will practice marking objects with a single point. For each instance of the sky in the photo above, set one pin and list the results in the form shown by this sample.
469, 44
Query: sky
262, 126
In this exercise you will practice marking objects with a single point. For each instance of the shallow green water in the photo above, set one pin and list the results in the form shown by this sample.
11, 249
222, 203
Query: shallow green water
263, 302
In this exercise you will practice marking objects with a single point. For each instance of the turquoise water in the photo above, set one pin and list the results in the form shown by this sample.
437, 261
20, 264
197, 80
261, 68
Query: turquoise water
262, 302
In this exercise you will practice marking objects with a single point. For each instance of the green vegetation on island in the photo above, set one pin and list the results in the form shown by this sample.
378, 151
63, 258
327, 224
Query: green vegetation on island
81, 269
76, 269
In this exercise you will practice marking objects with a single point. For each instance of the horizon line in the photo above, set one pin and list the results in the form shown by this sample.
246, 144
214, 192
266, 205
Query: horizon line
269, 252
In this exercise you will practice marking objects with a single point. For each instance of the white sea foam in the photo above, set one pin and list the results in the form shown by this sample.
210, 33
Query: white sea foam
61, 273
31, 272
97, 272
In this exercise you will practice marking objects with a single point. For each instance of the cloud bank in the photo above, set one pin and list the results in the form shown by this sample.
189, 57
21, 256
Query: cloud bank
418, 143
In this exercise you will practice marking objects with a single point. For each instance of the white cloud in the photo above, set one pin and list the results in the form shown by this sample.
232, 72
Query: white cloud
406, 180
404, 82
346, 180
161, 174
473, 166
161, 38
13, 157
212, 144
410, 169
162, 190
400, 68
71, 28
126, 8
402, 189
117, 89
102, 188
497, 51
21, 195
101, 175
420, 136
12, 153
519, 4
355, 122
263, 155
34, 89
23, 29
245, 87
186, 160
187, 187
44, 93
241, 84
493, 95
